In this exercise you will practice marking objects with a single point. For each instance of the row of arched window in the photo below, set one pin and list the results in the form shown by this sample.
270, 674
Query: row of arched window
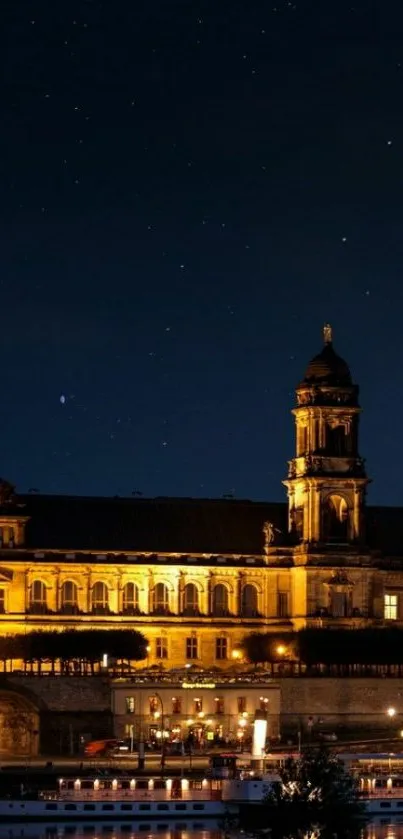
159, 599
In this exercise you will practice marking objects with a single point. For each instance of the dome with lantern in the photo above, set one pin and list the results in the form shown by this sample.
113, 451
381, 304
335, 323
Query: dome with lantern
327, 368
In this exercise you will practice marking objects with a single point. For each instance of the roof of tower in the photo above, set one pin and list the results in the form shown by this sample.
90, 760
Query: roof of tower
328, 368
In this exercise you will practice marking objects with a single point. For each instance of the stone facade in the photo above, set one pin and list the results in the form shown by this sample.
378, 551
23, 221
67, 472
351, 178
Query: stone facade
195, 576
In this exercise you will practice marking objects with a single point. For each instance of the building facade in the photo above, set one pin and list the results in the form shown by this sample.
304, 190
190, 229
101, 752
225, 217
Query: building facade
195, 576
213, 710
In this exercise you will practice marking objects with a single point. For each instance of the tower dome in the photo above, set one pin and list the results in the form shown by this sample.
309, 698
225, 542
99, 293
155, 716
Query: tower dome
328, 368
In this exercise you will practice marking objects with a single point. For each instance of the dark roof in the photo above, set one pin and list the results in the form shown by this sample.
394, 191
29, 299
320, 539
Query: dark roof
328, 368
175, 525
156, 525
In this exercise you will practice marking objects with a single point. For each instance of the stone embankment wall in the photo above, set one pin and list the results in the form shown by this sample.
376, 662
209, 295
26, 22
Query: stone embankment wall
71, 710
353, 703
72, 693
71, 707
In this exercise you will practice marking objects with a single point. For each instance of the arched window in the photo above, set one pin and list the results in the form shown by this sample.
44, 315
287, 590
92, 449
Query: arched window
160, 601
100, 599
38, 602
249, 601
69, 598
338, 440
190, 600
220, 601
130, 599
335, 520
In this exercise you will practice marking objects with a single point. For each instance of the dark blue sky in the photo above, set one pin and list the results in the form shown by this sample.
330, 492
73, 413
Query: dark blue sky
188, 191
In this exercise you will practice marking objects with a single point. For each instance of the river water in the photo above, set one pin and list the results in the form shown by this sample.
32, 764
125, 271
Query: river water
143, 830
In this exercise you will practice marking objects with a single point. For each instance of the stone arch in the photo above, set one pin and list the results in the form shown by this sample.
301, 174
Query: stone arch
336, 518
220, 600
160, 598
19, 724
38, 596
130, 598
249, 600
191, 599
69, 597
100, 598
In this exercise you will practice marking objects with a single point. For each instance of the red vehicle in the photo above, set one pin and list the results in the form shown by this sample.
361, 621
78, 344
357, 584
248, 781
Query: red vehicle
99, 748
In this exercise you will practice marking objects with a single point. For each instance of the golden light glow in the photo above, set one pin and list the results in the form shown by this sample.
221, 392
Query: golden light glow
281, 649
391, 712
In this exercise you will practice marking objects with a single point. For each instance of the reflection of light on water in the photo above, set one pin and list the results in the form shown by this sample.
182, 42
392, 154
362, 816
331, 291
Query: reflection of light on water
172, 829
377, 830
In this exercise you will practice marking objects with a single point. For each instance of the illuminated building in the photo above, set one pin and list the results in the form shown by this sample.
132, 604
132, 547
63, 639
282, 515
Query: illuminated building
172, 709
195, 575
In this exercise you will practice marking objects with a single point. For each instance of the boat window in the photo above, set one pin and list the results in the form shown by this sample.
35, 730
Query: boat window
400, 803
126, 807
162, 806
144, 827
144, 807
385, 805
50, 806
70, 807
108, 807
198, 806
89, 806
180, 806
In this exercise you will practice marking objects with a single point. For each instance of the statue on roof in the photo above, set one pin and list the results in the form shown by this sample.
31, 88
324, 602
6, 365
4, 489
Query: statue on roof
327, 333
270, 533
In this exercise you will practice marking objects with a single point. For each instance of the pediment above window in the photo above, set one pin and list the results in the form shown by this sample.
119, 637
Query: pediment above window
339, 579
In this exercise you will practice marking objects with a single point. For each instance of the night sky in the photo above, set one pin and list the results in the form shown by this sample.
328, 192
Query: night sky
188, 191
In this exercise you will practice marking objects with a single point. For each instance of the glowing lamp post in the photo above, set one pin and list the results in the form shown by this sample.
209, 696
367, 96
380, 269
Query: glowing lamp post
156, 715
259, 738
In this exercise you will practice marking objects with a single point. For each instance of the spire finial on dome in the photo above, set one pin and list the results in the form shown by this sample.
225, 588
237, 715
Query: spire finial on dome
327, 333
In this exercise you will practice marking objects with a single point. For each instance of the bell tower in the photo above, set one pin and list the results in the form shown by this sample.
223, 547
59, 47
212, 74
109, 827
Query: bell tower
327, 481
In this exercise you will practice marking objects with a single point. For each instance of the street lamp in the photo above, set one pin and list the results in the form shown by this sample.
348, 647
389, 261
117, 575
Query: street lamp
391, 712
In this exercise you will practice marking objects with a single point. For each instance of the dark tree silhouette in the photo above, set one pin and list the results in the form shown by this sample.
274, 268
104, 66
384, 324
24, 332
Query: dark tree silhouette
314, 789
75, 650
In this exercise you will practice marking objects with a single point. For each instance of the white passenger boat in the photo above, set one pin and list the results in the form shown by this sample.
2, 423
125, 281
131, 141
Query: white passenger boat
130, 798
379, 778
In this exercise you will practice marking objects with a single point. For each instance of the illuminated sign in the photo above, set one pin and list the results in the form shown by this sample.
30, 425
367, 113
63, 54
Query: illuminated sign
198, 685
